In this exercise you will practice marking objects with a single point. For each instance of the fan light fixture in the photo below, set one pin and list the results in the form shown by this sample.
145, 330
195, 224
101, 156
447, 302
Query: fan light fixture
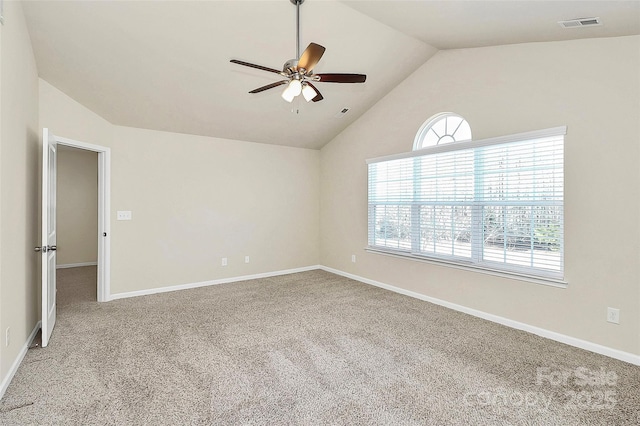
298, 73
295, 88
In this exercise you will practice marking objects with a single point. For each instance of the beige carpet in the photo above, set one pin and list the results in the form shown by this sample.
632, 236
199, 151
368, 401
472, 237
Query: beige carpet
308, 348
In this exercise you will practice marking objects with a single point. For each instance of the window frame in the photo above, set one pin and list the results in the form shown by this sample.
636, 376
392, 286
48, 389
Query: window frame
430, 123
499, 269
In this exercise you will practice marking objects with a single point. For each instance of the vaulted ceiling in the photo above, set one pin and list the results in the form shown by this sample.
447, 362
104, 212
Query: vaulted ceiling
164, 65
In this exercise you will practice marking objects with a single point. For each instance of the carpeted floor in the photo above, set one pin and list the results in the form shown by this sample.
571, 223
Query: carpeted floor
308, 348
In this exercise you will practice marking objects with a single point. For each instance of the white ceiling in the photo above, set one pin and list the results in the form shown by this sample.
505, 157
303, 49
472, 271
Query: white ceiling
164, 65
474, 23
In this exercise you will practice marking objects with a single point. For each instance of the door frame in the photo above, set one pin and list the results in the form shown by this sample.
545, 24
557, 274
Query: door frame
104, 215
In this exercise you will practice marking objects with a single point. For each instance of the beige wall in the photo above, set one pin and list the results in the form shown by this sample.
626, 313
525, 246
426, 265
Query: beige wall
3, 354
19, 148
77, 206
197, 199
593, 87
68, 118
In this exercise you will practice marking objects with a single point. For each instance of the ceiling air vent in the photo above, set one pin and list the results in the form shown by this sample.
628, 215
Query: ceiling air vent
341, 113
581, 22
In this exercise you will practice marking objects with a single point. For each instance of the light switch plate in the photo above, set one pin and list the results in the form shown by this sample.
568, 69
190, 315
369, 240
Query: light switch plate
124, 215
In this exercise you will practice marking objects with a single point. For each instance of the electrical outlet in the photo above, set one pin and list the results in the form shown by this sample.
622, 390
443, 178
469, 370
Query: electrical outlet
613, 315
353, 258
246, 259
7, 337
224, 261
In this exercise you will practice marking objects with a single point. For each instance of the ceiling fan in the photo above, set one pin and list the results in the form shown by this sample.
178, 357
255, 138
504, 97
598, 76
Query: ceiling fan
298, 73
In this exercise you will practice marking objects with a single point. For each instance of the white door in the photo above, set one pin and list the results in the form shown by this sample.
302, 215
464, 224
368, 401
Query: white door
48, 249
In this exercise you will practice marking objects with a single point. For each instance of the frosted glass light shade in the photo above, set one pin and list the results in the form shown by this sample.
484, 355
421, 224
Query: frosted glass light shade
296, 87
288, 95
308, 92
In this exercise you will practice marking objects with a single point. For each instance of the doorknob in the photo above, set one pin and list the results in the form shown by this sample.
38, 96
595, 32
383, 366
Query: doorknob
42, 249
53, 248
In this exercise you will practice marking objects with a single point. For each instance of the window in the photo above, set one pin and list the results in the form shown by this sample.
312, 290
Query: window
442, 128
495, 204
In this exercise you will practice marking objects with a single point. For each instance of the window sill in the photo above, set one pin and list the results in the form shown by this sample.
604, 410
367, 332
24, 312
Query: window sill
498, 273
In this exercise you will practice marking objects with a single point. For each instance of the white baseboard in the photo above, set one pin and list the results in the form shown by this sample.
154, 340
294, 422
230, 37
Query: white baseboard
76, 265
16, 363
208, 283
558, 337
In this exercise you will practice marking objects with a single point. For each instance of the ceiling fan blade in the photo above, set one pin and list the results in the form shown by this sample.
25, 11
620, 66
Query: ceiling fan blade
319, 96
260, 67
311, 56
269, 86
341, 78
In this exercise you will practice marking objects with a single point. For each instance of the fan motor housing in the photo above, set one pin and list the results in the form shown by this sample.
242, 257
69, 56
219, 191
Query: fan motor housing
290, 66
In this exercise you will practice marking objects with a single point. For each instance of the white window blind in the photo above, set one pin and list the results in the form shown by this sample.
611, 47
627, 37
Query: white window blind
496, 204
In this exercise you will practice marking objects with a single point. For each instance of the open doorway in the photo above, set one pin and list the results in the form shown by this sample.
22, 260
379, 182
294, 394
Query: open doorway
89, 204
77, 224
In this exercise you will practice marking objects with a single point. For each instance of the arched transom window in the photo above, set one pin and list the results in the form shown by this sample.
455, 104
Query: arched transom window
442, 128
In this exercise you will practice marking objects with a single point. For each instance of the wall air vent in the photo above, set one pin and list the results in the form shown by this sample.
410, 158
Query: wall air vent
581, 22
341, 113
